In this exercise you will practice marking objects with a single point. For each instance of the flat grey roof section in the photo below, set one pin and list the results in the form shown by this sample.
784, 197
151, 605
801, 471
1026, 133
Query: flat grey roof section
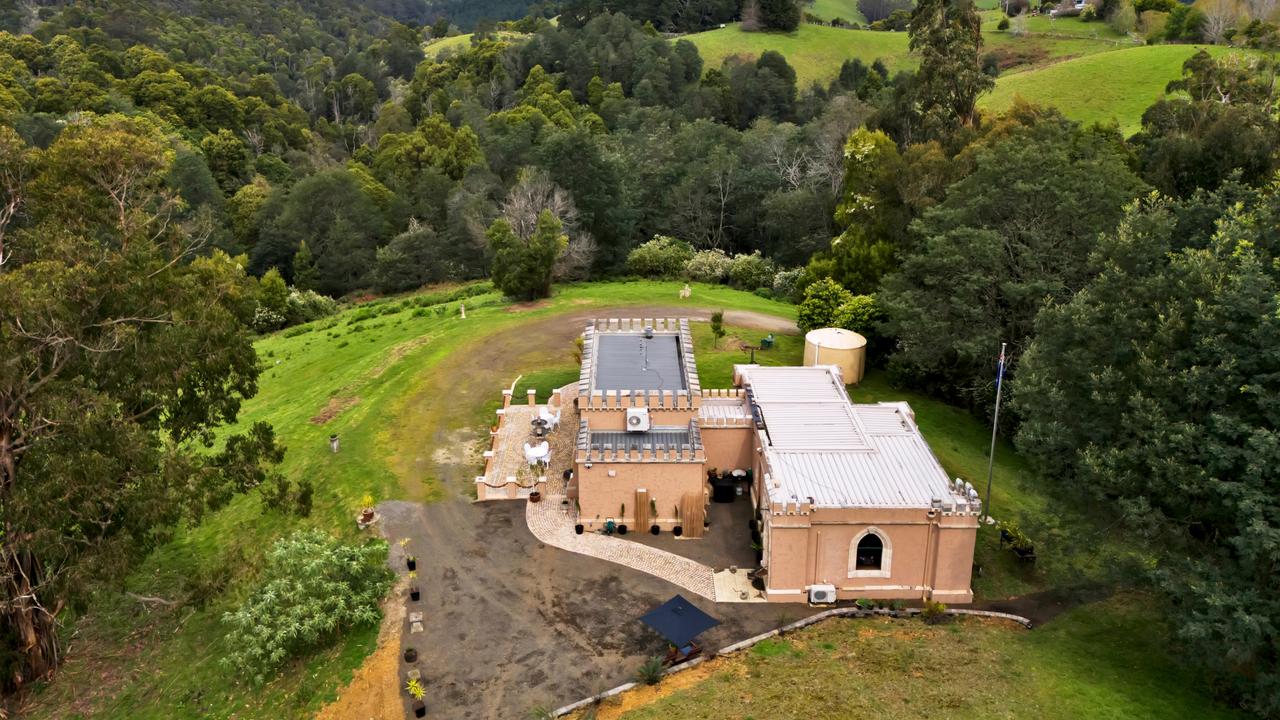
630, 361
672, 438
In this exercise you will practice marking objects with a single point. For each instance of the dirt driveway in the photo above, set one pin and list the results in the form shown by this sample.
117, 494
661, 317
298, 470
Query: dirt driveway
510, 624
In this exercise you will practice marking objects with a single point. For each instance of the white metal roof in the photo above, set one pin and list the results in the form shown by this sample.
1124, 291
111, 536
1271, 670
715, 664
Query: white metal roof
822, 448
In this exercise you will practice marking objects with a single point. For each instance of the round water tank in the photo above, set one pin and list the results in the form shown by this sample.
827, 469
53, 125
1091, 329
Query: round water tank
836, 346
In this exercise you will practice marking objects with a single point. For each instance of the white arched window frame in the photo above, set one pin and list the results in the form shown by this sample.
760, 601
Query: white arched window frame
886, 555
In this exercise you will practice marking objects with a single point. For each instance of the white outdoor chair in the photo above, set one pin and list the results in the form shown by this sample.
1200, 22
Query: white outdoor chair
552, 420
538, 454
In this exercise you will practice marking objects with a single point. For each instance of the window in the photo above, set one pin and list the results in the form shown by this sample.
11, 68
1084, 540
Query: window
870, 553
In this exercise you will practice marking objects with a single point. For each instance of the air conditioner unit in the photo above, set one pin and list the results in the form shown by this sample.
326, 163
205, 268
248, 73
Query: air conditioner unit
822, 594
637, 419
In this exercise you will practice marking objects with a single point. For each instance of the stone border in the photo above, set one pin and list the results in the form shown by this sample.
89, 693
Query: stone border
854, 612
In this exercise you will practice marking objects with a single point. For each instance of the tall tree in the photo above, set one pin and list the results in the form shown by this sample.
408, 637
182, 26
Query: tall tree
947, 34
1015, 233
522, 267
122, 350
1155, 393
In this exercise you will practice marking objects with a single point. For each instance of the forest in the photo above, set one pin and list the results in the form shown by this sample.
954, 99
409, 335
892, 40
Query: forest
178, 176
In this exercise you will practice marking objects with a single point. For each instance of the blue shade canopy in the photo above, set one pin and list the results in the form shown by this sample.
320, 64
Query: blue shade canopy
679, 621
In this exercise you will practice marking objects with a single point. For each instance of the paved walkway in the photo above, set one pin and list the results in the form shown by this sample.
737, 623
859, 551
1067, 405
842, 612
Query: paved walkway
552, 525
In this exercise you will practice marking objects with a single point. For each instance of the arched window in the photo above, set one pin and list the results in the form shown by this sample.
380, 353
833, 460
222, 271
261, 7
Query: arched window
870, 554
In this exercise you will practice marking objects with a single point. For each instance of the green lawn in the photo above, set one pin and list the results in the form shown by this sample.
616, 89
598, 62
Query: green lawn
1106, 660
435, 48
815, 51
831, 9
1117, 85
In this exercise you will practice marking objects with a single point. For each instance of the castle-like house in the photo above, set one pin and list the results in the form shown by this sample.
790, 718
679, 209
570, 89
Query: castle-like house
849, 499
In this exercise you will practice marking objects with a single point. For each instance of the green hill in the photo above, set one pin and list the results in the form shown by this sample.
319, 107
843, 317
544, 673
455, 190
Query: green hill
815, 51
1117, 85
831, 9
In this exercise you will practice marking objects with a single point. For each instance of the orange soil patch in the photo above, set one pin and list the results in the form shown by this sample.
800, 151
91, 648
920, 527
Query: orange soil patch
616, 707
335, 408
374, 690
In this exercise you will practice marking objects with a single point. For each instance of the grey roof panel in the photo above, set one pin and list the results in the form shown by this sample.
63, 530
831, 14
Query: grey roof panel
630, 361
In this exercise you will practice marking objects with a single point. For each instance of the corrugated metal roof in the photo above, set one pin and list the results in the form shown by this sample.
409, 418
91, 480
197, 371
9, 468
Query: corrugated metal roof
672, 438
723, 409
826, 450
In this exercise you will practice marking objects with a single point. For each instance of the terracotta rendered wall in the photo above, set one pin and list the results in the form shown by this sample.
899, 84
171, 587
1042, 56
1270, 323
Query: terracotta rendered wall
616, 419
600, 496
729, 448
925, 555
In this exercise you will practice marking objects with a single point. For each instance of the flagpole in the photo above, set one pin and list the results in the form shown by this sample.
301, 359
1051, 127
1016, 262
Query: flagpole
995, 423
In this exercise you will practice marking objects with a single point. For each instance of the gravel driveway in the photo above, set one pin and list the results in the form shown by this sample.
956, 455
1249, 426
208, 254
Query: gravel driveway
510, 624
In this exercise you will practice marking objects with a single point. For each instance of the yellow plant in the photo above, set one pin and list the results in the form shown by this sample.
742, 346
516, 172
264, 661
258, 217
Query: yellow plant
415, 689
366, 501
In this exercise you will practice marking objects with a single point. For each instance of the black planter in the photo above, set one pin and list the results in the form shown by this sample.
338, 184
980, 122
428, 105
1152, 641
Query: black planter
414, 594
677, 531
759, 556
419, 708
706, 522
411, 563
654, 529
410, 655
751, 525
578, 528
622, 529
568, 475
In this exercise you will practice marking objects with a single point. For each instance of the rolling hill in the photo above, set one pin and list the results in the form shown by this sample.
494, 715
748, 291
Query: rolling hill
1117, 85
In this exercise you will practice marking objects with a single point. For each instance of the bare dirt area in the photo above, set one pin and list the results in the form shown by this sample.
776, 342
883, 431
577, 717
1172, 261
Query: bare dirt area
332, 410
373, 693
510, 624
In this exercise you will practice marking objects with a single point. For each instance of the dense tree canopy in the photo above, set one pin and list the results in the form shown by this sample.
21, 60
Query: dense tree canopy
1177, 424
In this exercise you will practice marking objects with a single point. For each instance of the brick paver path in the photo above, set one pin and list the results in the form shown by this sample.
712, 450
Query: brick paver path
553, 526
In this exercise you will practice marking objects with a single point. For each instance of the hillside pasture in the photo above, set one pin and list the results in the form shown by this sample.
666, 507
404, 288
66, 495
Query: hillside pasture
1114, 86
831, 9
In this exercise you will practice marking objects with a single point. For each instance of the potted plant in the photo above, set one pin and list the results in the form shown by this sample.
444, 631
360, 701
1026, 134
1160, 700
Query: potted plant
416, 690
678, 530
578, 528
366, 509
622, 513
410, 655
415, 594
535, 496
411, 562
759, 548
654, 529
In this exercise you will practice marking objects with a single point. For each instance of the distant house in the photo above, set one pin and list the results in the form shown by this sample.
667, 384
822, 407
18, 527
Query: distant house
848, 499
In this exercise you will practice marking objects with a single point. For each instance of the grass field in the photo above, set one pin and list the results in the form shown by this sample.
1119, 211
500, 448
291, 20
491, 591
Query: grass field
1117, 85
374, 375
831, 9
1105, 660
815, 51
435, 48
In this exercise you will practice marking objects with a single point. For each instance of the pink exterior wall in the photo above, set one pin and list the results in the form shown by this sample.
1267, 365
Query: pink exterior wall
600, 497
925, 557
729, 448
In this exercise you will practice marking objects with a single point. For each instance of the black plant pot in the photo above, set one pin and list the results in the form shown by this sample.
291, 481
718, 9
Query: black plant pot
411, 563
415, 594
654, 529
410, 655
419, 708
578, 528
759, 556
677, 531
751, 525
622, 529
706, 522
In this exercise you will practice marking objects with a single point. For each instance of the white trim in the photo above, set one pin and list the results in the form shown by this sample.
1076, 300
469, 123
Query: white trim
886, 555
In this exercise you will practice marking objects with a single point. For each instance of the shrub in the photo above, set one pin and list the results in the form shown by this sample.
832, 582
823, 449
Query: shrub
710, 266
303, 306
786, 284
764, 292
822, 300
313, 588
650, 672
266, 320
1123, 19
662, 257
1088, 13
934, 612
748, 272
1003, 24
